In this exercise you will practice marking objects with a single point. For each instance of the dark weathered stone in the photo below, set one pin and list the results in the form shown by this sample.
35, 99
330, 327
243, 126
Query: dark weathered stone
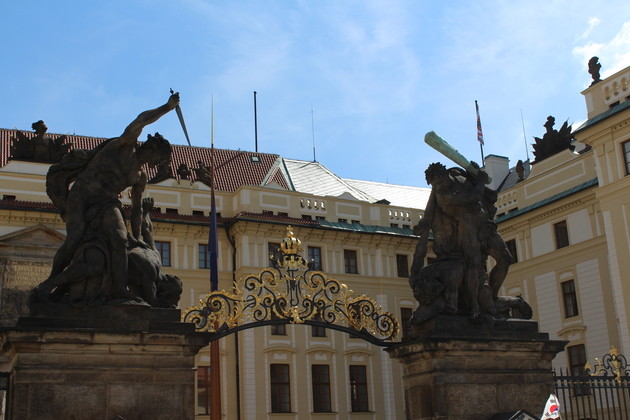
111, 318
91, 265
40, 147
463, 372
553, 141
455, 327
593, 68
135, 362
459, 217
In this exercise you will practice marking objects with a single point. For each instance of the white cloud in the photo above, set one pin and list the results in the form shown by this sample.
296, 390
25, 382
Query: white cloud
614, 55
592, 23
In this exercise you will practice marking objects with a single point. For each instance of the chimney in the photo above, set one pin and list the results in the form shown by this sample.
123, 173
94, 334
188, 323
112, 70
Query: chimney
497, 167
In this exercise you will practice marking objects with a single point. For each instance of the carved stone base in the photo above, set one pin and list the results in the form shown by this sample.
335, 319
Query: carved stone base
67, 367
458, 370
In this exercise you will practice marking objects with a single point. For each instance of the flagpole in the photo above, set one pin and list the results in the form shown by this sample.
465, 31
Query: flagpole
479, 133
524, 136
213, 249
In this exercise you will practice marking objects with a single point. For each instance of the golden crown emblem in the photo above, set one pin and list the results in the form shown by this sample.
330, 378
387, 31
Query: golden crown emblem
291, 245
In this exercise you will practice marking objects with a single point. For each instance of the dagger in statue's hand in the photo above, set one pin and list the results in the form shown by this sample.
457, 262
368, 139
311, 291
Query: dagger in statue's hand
178, 109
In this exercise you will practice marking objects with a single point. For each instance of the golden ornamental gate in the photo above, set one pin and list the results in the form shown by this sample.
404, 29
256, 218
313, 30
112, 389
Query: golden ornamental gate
290, 292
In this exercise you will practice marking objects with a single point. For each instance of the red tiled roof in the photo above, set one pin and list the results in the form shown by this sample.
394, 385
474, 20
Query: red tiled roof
159, 216
27, 205
234, 168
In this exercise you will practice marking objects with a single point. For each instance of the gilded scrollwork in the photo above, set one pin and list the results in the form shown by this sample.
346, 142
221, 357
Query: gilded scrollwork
292, 292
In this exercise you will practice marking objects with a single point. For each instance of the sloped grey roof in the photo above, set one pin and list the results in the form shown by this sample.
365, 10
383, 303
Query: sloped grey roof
314, 178
397, 195
511, 178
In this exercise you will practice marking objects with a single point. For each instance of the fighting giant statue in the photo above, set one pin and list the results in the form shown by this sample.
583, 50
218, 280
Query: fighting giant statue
459, 215
95, 261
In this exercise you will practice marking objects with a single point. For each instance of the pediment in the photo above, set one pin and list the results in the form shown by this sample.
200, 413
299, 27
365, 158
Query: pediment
275, 186
37, 235
347, 196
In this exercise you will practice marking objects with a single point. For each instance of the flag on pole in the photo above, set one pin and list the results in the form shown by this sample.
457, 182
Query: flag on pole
479, 131
213, 255
552, 409
213, 241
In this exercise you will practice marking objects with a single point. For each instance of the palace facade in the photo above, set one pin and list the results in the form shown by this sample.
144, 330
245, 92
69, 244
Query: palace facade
357, 232
566, 220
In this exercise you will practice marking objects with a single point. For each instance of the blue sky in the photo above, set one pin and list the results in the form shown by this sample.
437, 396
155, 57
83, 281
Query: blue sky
374, 75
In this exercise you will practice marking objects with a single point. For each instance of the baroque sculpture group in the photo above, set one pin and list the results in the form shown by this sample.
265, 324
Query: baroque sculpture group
459, 217
100, 261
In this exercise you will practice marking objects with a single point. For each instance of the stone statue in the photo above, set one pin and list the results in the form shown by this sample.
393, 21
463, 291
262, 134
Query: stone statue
520, 170
146, 279
203, 173
459, 215
163, 172
91, 265
39, 148
183, 171
593, 68
553, 141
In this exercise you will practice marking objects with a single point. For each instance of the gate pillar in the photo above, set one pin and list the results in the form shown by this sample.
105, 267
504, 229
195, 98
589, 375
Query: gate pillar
457, 370
126, 362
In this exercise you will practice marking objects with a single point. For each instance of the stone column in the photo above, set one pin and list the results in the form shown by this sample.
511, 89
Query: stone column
457, 370
126, 362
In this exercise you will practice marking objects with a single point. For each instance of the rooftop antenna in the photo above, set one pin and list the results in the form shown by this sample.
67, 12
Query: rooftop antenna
313, 132
524, 136
255, 123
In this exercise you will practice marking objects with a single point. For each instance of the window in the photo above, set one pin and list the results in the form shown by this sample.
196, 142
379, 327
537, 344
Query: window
197, 213
357, 222
405, 322
511, 246
320, 218
343, 220
569, 298
321, 389
358, 388
280, 389
283, 214
577, 360
203, 390
204, 261
315, 258
562, 234
171, 211
316, 330
402, 264
277, 329
273, 250
164, 248
626, 155
350, 260
307, 217
8, 197
395, 225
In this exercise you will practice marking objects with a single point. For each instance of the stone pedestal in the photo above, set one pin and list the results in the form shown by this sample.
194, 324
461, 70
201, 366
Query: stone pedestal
126, 362
457, 370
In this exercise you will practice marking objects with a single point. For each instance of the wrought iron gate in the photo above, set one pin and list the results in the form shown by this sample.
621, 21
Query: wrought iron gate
601, 393
290, 292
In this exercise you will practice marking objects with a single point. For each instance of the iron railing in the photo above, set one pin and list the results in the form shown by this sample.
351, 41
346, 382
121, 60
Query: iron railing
602, 392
